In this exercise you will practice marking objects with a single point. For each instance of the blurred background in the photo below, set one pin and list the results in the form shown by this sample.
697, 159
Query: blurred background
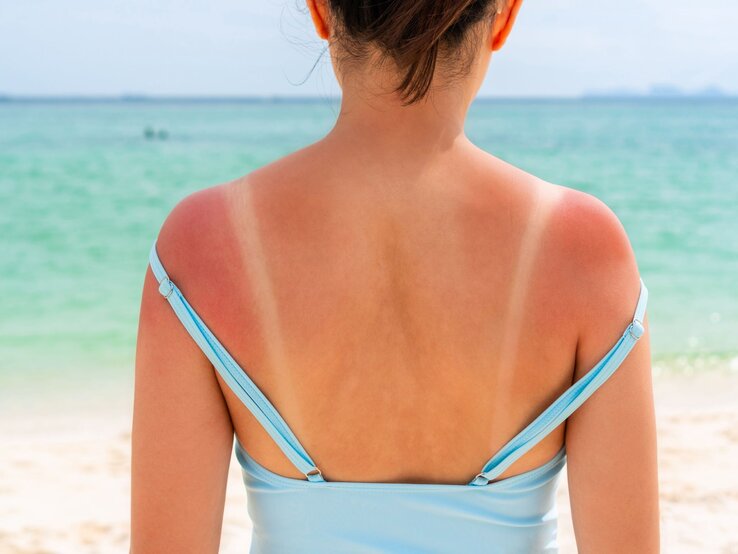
110, 112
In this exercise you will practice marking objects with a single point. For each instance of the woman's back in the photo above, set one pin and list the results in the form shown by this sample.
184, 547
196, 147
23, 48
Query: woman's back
408, 304
407, 334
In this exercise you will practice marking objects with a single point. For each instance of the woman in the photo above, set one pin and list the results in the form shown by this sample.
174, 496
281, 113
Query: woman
407, 329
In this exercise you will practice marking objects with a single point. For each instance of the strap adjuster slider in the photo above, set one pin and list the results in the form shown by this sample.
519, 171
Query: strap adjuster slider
480, 480
636, 329
166, 287
315, 473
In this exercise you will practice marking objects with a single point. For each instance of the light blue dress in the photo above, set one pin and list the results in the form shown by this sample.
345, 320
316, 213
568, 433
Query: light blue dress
312, 515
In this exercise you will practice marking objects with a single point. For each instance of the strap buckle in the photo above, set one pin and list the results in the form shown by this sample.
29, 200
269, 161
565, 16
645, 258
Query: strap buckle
636, 329
166, 287
315, 474
480, 479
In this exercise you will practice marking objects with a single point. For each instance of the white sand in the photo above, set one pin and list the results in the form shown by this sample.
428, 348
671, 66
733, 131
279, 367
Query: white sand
64, 472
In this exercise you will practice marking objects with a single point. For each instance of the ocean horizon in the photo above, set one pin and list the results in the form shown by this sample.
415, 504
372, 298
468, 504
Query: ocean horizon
586, 96
85, 184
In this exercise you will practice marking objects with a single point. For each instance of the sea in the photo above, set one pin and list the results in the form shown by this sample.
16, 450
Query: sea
86, 183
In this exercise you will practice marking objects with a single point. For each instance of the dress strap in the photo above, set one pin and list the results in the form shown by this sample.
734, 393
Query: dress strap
569, 401
233, 374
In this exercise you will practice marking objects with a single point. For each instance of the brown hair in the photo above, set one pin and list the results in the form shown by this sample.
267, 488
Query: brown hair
410, 32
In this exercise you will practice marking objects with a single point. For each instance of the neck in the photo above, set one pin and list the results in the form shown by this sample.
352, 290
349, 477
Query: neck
380, 125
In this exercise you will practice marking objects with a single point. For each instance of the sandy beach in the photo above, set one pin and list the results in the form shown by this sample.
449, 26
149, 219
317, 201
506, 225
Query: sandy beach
64, 478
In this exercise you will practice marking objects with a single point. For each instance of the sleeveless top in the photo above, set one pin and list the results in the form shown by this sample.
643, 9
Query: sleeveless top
515, 514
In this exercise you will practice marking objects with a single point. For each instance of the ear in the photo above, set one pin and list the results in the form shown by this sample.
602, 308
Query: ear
504, 23
319, 14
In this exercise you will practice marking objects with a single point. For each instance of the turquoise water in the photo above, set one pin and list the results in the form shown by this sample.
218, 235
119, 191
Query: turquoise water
83, 193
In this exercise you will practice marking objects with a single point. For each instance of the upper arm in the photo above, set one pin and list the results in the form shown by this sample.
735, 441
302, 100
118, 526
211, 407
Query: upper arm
182, 433
611, 438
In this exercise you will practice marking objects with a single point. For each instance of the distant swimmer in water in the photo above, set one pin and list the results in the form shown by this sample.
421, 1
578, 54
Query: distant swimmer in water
150, 133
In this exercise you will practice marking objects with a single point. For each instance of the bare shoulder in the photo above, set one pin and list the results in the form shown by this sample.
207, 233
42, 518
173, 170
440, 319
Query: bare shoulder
579, 229
586, 273
590, 231
195, 224
598, 265
203, 215
589, 261
212, 214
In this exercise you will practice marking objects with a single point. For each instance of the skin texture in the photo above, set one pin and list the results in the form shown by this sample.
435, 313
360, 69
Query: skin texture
408, 302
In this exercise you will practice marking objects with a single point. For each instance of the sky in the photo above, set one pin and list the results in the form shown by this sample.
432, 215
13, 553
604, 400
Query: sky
268, 47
